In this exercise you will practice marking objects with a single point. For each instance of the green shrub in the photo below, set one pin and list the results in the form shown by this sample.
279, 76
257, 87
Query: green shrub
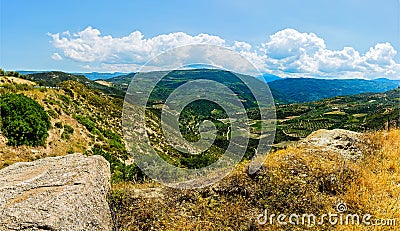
52, 114
85, 122
64, 98
68, 130
24, 121
58, 125
119, 170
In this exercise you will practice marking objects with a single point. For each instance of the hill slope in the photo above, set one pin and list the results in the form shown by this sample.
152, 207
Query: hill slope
176, 78
284, 90
54, 78
362, 112
308, 89
296, 179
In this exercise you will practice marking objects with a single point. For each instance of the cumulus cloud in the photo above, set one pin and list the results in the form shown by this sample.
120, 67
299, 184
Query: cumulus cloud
89, 46
286, 53
292, 53
56, 56
291, 43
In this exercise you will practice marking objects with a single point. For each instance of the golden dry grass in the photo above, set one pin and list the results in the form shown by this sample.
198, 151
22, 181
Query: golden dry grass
294, 180
13, 80
377, 189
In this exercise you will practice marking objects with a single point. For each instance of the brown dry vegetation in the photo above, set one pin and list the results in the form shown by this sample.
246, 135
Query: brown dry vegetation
294, 180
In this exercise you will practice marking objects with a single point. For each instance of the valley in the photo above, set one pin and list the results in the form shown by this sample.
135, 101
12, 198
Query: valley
85, 117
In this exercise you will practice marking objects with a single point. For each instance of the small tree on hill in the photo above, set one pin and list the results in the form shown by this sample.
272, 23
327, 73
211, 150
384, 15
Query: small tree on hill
23, 120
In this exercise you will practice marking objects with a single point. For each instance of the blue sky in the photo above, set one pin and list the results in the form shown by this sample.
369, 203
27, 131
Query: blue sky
287, 38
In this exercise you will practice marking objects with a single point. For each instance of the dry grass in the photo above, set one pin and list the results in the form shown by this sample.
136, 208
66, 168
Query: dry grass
11, 80
294, 180
377, 190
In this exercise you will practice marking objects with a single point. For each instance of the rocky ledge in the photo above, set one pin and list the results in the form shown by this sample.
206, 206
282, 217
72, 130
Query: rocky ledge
57, 193
345, 142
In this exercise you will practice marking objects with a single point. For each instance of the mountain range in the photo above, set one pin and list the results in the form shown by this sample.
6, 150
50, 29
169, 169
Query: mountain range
284, 90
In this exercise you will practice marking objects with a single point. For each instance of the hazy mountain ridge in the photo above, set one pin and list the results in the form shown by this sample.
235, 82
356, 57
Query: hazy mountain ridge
295, 90
284, 90
310, 89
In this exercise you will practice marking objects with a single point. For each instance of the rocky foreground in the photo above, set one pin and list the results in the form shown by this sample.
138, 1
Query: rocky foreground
57, 193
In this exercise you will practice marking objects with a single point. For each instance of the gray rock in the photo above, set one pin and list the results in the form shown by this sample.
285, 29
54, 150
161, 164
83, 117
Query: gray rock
345, 142
57, 193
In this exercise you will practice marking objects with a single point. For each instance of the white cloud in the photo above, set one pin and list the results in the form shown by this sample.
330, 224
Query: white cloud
286, 53
291, 43
291, 53
56, 56
89, 46
381, 54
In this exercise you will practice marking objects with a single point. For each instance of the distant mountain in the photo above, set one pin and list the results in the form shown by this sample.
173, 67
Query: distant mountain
387, 80
284, 90
181, 76
100, 75
309, 89
174, 79
30, 72
122, 81
268, 77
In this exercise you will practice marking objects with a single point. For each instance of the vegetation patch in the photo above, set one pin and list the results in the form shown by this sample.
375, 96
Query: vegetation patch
24, 121
68, 130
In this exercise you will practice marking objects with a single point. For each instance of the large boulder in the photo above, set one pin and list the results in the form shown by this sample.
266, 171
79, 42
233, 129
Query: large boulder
57, 193
345, 142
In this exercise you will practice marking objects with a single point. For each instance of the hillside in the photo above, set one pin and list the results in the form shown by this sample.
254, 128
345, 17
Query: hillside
299, 180
307, 89
100, 113
362, 112
91, 117
342, 168
178, 77
100, 75
284, 90
54, 78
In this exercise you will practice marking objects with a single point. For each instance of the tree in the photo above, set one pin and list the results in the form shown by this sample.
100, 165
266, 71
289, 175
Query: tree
24, 121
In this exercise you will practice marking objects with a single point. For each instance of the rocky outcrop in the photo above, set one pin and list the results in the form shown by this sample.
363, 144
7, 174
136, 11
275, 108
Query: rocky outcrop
57, 193
345, 142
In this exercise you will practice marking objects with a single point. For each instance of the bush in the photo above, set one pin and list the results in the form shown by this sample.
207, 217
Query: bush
68, 130
24, 121
52, 114
64, 98
58, 125
119, 170
85, 122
